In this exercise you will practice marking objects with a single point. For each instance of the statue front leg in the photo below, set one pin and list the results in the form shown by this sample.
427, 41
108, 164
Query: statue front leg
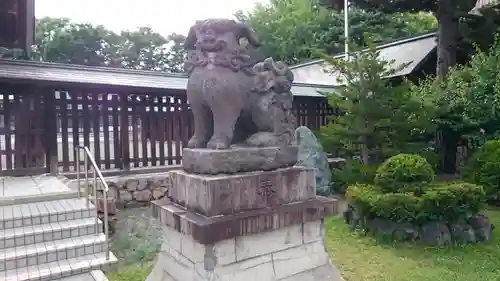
225, 117
203, 125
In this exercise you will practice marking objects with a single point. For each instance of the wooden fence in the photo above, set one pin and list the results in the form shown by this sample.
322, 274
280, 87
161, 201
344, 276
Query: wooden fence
40, 126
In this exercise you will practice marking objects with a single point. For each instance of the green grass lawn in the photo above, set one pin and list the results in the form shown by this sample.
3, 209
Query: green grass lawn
362, 258
130, 273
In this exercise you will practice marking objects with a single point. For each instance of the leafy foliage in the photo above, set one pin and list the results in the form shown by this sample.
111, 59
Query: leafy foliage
352, 172
458, 30
447, 202
404, 191
404, 173
448, 14
63, 41
468, 101
483, 169
293, 30
378, 119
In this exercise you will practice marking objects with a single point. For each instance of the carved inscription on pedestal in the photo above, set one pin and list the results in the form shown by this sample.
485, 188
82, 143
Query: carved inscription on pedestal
267, 190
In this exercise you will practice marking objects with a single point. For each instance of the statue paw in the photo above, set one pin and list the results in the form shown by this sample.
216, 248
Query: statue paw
195, 143
218, 144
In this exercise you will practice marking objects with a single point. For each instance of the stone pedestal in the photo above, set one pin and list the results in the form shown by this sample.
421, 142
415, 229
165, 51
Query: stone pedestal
258, 226
238, 159
213, 195
285, 243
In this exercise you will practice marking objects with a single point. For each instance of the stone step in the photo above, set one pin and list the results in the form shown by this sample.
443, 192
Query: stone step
24, 199
94, 275
52, 251
26, 235
15, 216
60, 269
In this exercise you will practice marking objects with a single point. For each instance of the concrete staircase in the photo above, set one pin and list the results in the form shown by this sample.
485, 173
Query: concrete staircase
52, 240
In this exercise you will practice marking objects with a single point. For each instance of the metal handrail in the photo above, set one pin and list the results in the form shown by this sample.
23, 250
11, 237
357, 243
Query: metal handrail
93, 192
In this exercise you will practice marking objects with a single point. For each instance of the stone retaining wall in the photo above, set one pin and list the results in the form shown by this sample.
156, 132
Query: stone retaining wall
138, 189
130, 191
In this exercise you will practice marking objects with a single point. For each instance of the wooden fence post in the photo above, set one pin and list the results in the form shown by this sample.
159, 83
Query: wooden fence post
50, 132
124, 134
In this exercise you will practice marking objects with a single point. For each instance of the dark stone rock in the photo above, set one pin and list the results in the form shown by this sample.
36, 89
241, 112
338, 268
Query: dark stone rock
238, 159
381, 227
482, 227
143, 184
125, 196
405, 232
347, 214
311, 155
110, 206
435, 233
132, 185
463, 233
354, 218
111, 223
476, 229
142, 195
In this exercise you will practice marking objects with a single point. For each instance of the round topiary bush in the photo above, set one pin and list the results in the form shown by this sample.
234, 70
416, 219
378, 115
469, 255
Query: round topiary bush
404, 173
405, 204
483, 168
443, 214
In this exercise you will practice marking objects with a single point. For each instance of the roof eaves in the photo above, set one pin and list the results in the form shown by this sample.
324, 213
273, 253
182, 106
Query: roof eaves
62, 66
381, 46
317, 86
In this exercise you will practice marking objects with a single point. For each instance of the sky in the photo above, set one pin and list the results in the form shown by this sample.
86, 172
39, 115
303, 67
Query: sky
164, 16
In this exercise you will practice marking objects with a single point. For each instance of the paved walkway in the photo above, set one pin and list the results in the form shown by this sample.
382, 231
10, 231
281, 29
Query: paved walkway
15, 190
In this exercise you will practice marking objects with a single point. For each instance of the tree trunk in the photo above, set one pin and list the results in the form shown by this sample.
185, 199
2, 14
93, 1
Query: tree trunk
447, 37
446, 141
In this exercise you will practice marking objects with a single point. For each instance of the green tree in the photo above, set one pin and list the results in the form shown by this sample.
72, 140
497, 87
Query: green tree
448, 13
294, 29
144, 49
176, 54
379, 119
469, 99
63, 41
60, 40
454, 19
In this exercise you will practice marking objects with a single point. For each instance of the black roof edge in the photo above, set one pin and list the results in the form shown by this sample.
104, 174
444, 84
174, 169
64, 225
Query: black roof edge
29, 63
392, 43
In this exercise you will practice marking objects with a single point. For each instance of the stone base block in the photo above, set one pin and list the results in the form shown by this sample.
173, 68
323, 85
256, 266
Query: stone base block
292, 253
213, 195
238, 159
209, 230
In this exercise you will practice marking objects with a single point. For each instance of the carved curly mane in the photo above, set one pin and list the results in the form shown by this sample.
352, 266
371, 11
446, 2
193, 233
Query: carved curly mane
208, 42
274, 81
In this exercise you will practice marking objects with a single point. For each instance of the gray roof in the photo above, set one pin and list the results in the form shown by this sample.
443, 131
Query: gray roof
55, 72
411, 51
485, 4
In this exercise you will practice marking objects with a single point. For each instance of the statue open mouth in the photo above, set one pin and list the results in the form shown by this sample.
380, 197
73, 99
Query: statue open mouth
211, 45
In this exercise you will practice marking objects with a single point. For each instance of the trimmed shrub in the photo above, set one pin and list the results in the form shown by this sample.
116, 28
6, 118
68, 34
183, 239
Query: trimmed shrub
404, 173
352, 172
483, 168
448, 202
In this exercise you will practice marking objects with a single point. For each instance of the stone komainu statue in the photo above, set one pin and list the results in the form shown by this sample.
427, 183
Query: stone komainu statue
234, 98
